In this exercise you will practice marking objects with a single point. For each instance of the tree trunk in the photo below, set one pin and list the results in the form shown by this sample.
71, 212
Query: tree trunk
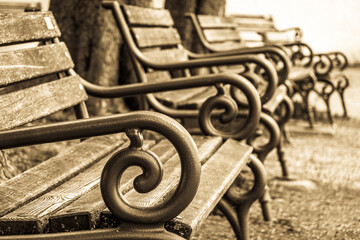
179, 8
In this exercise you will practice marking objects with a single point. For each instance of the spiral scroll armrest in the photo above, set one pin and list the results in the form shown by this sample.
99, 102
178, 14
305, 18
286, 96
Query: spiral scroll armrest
300, 53
323, 64
339, 60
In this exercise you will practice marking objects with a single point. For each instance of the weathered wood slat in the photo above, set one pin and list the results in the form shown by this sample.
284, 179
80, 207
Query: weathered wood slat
24, 27
228, 45
84, 212
148, 16
34, 217
259, 22
25, 105
208, 21
25, 64
152, 37
226, 164
51, 173
219, 35
299, 73
167, 55
174, 98
169, 181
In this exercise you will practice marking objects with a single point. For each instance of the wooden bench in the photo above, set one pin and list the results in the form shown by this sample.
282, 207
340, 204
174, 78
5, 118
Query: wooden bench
327, 66
156, 49
182, 178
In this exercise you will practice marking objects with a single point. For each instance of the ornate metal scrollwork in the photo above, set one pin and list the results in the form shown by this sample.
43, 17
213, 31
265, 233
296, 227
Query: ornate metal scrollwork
339, 59
300, 54
135, 155
219, 115
323, 64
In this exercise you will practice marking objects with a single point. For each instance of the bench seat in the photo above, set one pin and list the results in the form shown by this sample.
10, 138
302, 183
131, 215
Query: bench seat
76, 204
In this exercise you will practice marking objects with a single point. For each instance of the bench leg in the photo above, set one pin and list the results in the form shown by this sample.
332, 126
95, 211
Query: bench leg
236, 206
342, 84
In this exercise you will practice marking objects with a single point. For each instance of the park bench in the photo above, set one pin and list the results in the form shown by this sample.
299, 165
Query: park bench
221, 35
261, 29
156, 51
77, 194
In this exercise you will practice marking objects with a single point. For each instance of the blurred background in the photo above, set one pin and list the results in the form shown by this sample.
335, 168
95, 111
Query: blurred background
327, 25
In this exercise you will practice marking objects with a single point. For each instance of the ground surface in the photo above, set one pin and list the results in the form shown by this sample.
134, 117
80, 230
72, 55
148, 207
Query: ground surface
327, 209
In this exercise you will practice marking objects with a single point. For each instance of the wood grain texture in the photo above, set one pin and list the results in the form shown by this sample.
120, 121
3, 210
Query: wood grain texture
221, 35
259, 23
26, 105
176, 98
152, 37
51, 173
206, 145
25, 64
27, 26
167, 55
34, 216
147, 16
209, 21
84, 212
298, 73
217, 175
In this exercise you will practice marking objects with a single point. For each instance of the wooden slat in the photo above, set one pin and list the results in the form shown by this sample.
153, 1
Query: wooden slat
83, 213
300, 73
33, 217
152, 37
208, 21
51, 173
175, 98
206, 145
255, 22
167, 55
24, 64
147, 16
220, 35
228, 45
217, 175
23, 27
25, 105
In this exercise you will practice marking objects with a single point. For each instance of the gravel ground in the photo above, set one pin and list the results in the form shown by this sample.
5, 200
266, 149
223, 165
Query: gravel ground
327, 205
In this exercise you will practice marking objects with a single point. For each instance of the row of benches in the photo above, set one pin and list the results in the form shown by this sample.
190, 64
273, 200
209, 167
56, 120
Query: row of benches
181, 177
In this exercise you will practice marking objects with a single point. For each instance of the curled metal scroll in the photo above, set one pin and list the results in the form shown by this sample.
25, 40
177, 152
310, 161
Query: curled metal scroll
339, 59
342, 82
301, 54
273, 139
226, 109
323, 65
152, 173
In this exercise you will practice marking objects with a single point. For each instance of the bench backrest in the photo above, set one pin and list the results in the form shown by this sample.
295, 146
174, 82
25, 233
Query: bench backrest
261, 23
220, 32
154, 33
36, 78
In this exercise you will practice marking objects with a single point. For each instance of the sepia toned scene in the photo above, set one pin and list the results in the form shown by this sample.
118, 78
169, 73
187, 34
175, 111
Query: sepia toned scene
174, 119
